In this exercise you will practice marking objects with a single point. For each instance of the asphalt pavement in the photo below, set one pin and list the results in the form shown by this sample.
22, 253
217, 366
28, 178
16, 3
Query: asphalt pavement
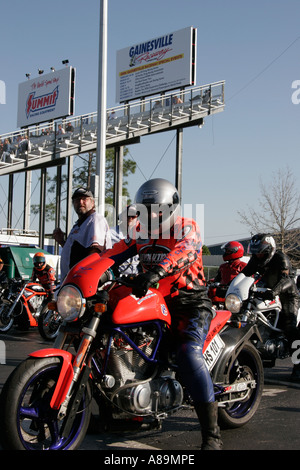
275, 426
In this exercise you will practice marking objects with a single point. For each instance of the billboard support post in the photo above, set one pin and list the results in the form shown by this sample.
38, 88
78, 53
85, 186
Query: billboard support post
101, 122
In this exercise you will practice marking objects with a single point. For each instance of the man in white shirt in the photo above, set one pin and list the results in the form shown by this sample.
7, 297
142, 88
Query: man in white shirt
89, 234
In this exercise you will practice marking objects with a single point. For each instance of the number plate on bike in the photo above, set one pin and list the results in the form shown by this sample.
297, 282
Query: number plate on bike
213, 351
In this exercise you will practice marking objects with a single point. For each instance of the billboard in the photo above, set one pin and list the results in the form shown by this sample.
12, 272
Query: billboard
160, 64
46, 97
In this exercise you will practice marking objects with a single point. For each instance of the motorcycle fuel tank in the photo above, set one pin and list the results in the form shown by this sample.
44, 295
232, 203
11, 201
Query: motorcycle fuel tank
131, 309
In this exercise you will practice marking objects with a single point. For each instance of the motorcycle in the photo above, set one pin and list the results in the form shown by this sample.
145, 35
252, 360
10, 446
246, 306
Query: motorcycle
49, 322
243, 299
114, 351
22, 303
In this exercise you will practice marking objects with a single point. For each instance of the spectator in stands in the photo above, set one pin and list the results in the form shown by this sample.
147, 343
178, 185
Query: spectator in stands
61, 130
69, 127
176, 100
24, 146
5, 157
112, 114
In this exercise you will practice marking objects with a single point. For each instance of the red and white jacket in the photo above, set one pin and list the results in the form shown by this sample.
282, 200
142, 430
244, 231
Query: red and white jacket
179, 255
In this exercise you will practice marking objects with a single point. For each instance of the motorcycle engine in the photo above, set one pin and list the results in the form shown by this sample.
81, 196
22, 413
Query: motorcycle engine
133, 382
35, 303
163, 393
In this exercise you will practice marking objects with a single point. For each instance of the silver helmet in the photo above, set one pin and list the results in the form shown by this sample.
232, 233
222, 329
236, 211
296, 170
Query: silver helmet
158, 204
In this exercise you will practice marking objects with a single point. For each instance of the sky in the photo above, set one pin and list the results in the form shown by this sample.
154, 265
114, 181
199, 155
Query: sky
253, 46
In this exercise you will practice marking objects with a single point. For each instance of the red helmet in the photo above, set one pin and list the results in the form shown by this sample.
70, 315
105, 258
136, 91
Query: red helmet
232, 250
39, 261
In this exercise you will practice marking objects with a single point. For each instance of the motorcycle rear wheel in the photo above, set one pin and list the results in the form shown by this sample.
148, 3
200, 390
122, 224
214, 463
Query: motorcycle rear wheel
248, 364
27, 421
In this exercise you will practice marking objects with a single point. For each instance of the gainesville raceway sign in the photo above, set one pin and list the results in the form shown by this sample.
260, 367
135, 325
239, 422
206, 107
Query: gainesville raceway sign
164, 63
46, 97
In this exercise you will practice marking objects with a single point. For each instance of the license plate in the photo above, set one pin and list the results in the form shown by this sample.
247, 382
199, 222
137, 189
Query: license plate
213, 351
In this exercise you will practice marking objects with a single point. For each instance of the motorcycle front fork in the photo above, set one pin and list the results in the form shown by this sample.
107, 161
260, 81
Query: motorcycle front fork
89, 333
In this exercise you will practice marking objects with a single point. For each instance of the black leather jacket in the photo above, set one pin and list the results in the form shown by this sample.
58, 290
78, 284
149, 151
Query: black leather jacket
274, 274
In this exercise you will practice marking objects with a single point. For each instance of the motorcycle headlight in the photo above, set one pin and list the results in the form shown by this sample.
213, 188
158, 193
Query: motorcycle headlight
233, 303
70, 303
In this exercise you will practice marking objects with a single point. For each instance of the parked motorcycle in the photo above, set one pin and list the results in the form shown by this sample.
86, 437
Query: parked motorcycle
124, 361
49, 322
244, 300
21, 304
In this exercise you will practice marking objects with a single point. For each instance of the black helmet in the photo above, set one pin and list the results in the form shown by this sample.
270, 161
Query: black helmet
158, 205
262, 244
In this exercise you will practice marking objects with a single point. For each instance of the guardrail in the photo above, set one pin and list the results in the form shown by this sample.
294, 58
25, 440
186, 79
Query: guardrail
79, 134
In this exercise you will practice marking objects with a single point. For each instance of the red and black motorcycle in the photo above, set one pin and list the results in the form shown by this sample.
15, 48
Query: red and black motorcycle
21, 304
123, 361
25, 304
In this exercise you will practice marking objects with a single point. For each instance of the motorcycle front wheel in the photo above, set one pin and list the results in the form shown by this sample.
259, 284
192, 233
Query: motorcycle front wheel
48, 323
247, 367
27, 420
6, 321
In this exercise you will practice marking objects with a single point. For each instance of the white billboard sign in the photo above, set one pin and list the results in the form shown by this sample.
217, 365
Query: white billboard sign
46, 97
160, 64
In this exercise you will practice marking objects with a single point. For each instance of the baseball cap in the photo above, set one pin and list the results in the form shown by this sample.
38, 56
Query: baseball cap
82, 192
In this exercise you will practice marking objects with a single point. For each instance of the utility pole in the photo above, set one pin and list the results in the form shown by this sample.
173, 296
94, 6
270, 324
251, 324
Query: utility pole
101, 119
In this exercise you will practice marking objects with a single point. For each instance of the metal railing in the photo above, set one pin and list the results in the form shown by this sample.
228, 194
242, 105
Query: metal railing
79, 134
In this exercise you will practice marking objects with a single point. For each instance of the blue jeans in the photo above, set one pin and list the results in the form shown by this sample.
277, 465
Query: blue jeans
191, 332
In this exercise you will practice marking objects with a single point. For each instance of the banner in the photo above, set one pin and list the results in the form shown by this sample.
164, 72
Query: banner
46, 97
160, 64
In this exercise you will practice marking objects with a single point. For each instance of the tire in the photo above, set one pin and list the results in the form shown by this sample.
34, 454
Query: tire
27, 421
48, 323
247, 365
5, 322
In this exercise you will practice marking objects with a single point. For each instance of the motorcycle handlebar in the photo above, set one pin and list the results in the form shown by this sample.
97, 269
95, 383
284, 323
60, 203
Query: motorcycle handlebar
127, 280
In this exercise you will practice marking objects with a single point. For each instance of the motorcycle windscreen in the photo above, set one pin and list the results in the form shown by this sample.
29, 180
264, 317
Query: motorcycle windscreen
131, 309
240, 286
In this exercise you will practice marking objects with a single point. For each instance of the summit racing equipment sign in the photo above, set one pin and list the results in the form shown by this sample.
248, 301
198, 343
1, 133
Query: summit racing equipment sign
46, 97
160, 64
47, 101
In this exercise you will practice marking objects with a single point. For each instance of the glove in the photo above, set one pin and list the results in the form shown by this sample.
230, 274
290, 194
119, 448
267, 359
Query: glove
267, 295
143, 281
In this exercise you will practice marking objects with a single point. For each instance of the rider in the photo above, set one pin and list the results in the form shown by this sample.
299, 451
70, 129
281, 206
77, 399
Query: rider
233, 265
275, 268
170, 251
3, 276
127, 223
44, 274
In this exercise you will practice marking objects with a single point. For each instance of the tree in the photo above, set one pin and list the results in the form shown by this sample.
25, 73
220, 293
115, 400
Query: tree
279, 213
82, 177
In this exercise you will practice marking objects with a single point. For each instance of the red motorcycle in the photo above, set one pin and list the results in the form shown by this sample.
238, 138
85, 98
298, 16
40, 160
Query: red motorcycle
124, 361
21, 304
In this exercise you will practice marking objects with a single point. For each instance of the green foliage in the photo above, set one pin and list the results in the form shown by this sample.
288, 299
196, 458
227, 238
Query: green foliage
82, 177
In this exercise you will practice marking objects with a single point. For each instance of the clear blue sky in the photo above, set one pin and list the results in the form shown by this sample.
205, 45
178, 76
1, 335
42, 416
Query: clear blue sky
254, 46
